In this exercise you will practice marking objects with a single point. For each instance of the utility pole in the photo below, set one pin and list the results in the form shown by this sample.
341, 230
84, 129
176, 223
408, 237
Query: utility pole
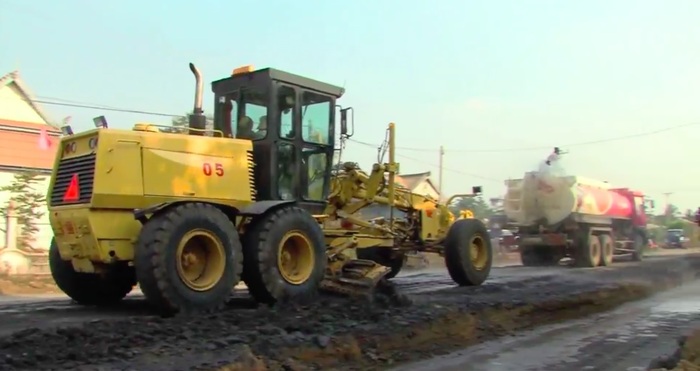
667, 195
442, 156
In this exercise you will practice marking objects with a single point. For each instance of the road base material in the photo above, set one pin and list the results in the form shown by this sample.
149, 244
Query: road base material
338, 333
685, 358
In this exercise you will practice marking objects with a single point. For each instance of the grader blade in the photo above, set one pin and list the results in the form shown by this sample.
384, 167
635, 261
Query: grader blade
355, 278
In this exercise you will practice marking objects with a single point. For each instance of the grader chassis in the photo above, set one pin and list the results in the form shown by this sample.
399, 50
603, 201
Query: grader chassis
187, 217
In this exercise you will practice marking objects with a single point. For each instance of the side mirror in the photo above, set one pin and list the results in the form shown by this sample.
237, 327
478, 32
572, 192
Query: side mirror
476, 190
344, 121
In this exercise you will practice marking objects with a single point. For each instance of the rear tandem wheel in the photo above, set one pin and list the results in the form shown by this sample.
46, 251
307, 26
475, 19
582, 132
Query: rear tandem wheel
468, 252
188, 258
285, 256
587, 251
607, 250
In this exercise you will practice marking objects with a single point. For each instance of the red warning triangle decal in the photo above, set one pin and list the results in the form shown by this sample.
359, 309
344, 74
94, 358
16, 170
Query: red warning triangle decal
73, 191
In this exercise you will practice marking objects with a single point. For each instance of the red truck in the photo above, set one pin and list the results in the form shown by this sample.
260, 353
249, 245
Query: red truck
583, 219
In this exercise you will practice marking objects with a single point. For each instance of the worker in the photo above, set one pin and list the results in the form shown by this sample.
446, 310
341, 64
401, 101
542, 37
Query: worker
244, 128
697, 217
262, 128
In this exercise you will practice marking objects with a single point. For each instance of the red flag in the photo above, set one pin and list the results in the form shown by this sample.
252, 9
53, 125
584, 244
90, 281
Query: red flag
44, 140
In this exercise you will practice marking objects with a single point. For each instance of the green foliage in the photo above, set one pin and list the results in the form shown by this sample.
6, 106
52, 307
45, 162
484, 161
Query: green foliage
477, 205
673, 218
181, 122
28, 204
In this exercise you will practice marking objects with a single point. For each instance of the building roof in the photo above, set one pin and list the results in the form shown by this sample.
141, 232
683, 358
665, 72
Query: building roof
14, 77
19, 141
411, 181
19, 146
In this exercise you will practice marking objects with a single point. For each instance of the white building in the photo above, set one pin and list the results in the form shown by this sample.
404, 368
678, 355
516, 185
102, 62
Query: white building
21, 122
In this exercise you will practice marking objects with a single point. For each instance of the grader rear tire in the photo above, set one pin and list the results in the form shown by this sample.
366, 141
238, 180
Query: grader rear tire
188, 259
285, 256
89, 289
607, 250
468, 253
588, 251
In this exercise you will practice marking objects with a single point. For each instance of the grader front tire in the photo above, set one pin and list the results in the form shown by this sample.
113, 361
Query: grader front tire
285, 256
89, 289
468, 252
188, 259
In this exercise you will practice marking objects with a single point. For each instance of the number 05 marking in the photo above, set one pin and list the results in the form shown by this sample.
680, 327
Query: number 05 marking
218, 169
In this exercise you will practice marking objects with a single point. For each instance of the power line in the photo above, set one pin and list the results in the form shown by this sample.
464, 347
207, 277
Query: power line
437, 166
104, 108
69, 103
522, 149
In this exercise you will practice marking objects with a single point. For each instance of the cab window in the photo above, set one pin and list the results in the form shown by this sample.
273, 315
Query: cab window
314, 167
252, 120
285, 101
316, 118
228, 112
286, 159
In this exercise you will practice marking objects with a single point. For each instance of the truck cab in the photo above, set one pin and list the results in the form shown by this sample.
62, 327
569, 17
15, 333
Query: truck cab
290, 121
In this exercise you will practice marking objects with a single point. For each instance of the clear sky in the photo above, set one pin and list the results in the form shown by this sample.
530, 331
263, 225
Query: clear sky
481, 76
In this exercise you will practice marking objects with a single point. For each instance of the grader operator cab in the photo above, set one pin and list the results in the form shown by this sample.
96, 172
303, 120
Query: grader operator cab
187, 217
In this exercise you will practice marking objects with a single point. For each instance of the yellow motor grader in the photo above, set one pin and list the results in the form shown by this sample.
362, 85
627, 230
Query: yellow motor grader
188, 215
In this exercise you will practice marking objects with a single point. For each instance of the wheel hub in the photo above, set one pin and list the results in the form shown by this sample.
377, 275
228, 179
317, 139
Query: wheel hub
295, 258
201, 260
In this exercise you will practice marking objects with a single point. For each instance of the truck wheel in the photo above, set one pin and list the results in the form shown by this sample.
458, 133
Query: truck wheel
588, 251
638, 246
86, 288
188, 259
382, 256
285, 256
607, 250
468, 253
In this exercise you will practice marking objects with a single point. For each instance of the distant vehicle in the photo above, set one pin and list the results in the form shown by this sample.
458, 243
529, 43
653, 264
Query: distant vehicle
503, 240
583, 219
675, 239
508, 241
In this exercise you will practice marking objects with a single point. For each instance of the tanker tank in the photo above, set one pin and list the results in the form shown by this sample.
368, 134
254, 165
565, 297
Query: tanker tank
562, 216
551, 199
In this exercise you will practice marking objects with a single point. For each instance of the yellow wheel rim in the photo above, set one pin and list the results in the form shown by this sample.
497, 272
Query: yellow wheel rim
201, 260
295, 258
478, 253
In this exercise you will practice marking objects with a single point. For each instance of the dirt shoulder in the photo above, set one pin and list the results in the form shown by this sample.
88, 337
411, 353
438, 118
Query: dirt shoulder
685, 358
337, 333
26, 285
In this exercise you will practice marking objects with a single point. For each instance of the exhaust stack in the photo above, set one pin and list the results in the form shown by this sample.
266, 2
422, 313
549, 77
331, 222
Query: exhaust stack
197, 120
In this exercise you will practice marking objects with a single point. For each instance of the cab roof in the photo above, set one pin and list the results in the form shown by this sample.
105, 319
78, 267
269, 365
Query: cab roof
266, 75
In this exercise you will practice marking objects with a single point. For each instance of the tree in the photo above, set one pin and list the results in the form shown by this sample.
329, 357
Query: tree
28, 203
477, 205
181, 122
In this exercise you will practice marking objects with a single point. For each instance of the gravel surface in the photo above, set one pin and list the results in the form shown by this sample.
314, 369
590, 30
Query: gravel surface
333, 333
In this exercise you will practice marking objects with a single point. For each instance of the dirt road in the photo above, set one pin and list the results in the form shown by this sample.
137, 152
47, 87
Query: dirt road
628, 338
333, 333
